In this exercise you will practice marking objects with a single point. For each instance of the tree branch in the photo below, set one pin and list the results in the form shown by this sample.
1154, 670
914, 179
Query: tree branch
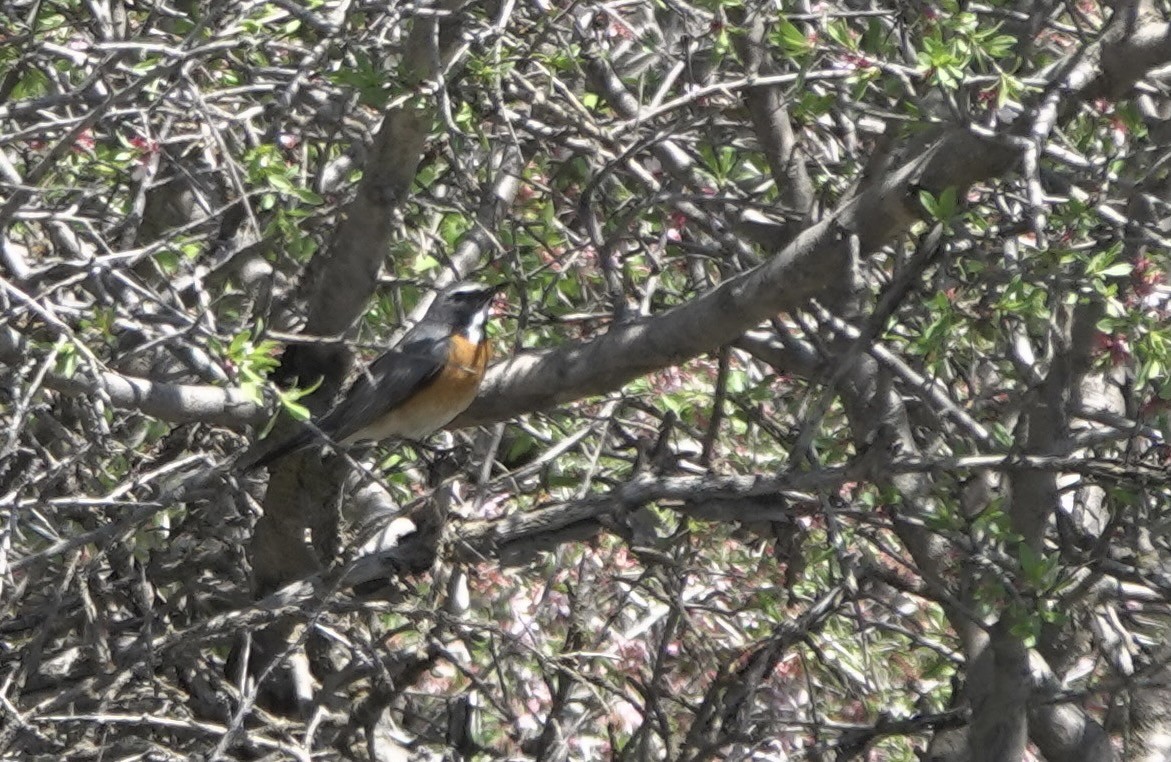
342, 277
804, 268
178, 403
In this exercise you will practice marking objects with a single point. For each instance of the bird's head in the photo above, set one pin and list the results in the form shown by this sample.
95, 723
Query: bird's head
464, 307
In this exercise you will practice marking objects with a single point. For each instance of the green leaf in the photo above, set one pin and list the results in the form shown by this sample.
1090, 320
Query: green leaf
792, 40
236, 346
295, 409
252, 391
308, 196
940, 208
168, 261
839, 32
1002, 435
66, 359
1033, 565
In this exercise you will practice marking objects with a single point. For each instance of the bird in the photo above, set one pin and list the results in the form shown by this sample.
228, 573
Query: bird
413, 389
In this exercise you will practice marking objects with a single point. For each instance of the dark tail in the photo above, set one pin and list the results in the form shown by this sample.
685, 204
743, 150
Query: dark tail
264, 453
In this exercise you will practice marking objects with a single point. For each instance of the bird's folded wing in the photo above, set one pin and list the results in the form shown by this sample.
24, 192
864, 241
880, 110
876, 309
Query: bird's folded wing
381, 387
388, 382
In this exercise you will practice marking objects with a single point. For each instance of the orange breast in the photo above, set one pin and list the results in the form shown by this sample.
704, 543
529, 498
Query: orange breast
435, 405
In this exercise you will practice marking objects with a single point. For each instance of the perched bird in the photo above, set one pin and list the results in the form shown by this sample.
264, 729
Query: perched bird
413, 389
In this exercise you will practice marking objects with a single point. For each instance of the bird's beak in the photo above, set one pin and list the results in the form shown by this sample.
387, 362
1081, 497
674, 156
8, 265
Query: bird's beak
489, 293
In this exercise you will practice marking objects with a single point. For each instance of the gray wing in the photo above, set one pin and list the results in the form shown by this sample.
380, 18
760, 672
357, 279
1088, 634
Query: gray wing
403, 369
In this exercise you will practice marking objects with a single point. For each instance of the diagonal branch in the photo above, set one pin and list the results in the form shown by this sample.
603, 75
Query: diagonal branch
179, 403
770, 121
808, 265
343, 276
541, 380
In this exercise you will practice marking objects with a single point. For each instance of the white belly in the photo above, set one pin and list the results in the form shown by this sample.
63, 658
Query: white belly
417, 422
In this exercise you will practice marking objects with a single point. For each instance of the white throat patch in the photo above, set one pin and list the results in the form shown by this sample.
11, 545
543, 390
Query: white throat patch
475, 330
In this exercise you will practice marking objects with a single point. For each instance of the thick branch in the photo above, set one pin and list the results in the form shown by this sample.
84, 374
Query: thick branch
723, 498
344, 274
803, 269
770, 119
807, 266
544, 379
178, 403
